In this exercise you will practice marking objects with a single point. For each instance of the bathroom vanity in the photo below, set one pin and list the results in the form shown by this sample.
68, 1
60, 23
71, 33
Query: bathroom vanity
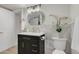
31, 43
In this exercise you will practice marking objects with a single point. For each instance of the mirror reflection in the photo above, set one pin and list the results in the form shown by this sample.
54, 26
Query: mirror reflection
36, 18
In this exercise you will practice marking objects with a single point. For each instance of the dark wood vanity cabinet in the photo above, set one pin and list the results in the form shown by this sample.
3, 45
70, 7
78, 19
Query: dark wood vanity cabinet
29, 44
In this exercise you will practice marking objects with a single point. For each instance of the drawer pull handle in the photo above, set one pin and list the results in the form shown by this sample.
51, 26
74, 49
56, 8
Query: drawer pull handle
34, 50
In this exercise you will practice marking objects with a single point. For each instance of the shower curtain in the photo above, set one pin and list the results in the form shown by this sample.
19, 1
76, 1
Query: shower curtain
75, 36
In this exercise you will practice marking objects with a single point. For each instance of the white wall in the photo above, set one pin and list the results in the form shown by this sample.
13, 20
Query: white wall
18, 22
74, 11
57, 9
7, 26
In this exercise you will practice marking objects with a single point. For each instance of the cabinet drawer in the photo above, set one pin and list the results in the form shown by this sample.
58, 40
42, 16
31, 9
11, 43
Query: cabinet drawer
35, 41
34, 45
35, 50
24, 37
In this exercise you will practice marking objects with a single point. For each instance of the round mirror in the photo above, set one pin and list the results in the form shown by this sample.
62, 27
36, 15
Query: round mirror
36, 18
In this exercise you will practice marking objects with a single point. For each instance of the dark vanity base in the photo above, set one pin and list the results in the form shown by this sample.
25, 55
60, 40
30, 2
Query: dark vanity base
30, 44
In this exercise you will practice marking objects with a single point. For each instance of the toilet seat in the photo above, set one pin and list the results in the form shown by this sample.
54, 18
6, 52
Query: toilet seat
58, 52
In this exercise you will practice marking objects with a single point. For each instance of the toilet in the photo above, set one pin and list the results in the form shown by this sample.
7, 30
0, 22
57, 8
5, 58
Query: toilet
59, 45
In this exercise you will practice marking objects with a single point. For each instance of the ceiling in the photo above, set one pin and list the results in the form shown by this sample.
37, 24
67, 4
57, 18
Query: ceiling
13, 7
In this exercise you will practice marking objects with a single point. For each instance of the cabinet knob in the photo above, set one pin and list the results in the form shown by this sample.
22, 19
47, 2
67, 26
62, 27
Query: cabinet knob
43, 38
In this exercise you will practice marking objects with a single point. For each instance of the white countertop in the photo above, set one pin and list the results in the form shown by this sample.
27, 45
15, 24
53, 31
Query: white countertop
32, 33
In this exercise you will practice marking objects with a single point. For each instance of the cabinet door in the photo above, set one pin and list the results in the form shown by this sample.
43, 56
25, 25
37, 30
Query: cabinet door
20, 46
27, 45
